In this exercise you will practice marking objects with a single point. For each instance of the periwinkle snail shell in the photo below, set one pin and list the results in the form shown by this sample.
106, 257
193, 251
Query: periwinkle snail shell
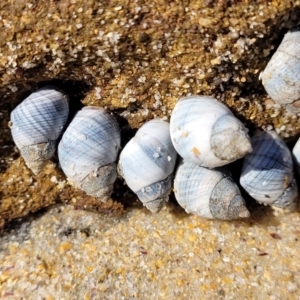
147, 162
267, 173
88, 151
296, 154
281, 77
208, 193
205, 132
36, 123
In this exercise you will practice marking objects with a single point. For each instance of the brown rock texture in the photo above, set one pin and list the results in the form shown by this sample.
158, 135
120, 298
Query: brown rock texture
135, 58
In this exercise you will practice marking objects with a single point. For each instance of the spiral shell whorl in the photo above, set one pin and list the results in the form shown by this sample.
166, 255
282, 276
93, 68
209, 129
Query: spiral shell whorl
155, 195
88, 151
229, 139
36, 156
99, 183
37, 122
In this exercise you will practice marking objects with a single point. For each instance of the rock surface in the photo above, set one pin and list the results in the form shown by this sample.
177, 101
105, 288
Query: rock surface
135, 58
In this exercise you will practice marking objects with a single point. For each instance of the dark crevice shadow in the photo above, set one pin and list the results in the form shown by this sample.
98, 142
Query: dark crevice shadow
127, 133
273, 37
252, 89
16, 225
174, 208
121, 192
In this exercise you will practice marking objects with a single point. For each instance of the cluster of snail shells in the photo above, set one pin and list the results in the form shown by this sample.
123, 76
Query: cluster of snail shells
88, 149
202, 130
206, 135
281, 79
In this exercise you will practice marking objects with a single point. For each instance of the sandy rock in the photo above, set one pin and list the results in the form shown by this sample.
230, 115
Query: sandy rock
135, 58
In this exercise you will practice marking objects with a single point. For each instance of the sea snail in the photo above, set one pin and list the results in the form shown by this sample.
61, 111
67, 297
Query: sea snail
36, 123
146, 163
204, 131
281, 77
209, 193
296, 154
267, 173
88, 151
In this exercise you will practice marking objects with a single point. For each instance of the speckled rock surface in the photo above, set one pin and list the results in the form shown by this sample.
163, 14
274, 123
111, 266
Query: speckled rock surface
137, 58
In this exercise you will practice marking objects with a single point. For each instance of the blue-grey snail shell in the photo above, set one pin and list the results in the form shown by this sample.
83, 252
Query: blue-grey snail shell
281, 77
88, 151
208, 193
36, 123
147, 163
267, 173
205, 132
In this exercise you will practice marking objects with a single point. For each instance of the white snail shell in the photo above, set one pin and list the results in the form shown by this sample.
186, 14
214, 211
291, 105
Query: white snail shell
209, 193
205, 132
36, 123
296, 154
281, 77
267, 173
147, 162
88, 151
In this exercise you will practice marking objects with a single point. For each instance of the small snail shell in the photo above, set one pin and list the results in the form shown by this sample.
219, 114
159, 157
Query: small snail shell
209, 193
88, 151
281, 77
36, 123
267, 173
205, 132
147, 162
